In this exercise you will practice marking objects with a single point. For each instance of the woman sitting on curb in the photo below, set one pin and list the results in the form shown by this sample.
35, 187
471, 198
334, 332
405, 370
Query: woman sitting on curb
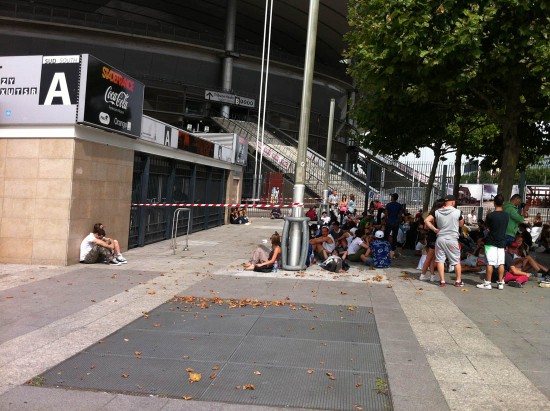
261, 260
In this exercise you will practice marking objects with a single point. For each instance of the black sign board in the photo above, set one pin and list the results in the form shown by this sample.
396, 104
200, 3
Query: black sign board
110, 99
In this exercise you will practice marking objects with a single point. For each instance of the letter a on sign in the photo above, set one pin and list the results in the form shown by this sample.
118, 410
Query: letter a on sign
167, 136
58, 89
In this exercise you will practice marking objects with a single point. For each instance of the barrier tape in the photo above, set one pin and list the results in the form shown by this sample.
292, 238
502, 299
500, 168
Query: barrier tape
217, 205
280, 198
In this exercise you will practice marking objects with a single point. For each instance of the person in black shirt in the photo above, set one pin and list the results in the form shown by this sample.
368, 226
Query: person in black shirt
497, 221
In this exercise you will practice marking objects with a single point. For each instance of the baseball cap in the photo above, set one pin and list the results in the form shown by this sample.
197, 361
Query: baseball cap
513, 245
353, 230
379, 234
450, 198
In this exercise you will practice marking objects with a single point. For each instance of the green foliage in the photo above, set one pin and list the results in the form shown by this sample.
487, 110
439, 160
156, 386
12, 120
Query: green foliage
427, 71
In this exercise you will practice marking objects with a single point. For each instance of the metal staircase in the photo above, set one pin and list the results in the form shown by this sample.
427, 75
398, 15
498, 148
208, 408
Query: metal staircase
281, 153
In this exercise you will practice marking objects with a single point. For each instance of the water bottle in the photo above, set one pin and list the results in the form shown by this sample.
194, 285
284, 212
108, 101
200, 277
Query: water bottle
276, 266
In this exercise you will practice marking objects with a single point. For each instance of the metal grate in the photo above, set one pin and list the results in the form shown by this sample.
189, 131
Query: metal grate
285, 352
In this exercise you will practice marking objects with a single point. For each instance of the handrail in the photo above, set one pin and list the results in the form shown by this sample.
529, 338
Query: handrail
175, 219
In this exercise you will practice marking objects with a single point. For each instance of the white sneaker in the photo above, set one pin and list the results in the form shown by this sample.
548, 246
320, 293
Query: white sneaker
121, 259
423, 277
501, 285
485, 286
432, 279
114, 261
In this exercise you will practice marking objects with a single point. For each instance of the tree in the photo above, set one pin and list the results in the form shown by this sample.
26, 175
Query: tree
490, 57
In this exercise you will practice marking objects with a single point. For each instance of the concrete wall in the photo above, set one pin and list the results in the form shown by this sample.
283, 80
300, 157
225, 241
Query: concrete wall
101, 193
52, 191
35, 182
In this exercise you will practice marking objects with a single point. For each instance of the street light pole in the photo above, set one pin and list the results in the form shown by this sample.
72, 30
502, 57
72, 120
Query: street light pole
295, 237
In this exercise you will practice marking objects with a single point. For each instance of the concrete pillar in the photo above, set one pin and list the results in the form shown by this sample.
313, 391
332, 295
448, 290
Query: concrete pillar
227, 74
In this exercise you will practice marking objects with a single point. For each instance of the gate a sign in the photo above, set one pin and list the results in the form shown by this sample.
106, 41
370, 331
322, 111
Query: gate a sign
39, 89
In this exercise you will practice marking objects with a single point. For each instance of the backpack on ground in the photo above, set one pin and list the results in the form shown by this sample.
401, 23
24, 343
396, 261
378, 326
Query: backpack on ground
333, 264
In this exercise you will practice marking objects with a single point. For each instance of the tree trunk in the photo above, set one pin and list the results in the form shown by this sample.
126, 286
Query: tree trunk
510, 158
512, 146
427, 194
458, 161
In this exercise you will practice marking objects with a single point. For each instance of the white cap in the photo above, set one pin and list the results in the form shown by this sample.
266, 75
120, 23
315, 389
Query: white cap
379, 234
353, 230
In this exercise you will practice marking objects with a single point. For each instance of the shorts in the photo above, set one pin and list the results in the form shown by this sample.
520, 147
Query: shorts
447, 249
494, 255
356, 257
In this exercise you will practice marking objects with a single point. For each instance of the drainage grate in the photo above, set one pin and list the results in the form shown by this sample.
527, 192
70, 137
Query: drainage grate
285, 352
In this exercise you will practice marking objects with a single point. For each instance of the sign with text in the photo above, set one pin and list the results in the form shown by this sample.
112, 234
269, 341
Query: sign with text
39, 89
229, 98
158, 132
109, 98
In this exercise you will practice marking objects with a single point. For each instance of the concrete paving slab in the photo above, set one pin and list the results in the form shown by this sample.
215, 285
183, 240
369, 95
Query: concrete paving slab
511, 324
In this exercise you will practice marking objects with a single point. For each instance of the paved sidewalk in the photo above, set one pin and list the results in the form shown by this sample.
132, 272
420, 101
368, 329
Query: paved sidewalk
443, 348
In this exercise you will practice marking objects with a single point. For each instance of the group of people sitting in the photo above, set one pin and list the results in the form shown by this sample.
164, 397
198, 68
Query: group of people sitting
97, 247
238, 216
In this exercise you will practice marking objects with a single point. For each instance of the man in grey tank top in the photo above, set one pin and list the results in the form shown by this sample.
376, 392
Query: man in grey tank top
449, 221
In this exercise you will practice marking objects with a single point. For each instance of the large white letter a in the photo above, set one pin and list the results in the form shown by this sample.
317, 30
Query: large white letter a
58, 88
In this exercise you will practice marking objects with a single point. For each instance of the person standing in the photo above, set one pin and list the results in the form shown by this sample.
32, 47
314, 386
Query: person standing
511, 207
333, 204
394, 213
495, 243
449, 221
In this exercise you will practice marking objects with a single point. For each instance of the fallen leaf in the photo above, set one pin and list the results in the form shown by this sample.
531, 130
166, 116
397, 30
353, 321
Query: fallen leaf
189, 370
350, 308
92, 366
137, 353
330, 376
156, 325
213, 376
194, 377
343, 292
310, 371
249, 387
9, 296
464, 290
389, 286
358, 385
257, 373
124, 375
187, 397
151, 292
216, 367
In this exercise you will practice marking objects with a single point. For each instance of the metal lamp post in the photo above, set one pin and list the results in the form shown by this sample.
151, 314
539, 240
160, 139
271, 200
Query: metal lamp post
296, 226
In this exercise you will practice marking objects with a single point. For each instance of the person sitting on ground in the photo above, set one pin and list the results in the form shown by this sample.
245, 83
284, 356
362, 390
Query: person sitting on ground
471, 218
336, 231
379, 253
544, 239
513, 276
234, 217
116, 250
342, 243
475, 260
93, 249
325, 219
324, 245
261, 260
312, 213
525, 262
243, 216
525, 232
358, 246
276, 213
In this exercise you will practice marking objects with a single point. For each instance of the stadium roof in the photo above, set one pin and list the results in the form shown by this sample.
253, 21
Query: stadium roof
207, 18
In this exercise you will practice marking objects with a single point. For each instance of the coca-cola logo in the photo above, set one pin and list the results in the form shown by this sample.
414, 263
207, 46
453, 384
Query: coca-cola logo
119, 99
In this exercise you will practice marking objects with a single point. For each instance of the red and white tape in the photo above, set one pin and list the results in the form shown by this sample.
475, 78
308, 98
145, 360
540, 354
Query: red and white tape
217, 205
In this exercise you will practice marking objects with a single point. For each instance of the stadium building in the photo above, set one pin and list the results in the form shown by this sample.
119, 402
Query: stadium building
200, 63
